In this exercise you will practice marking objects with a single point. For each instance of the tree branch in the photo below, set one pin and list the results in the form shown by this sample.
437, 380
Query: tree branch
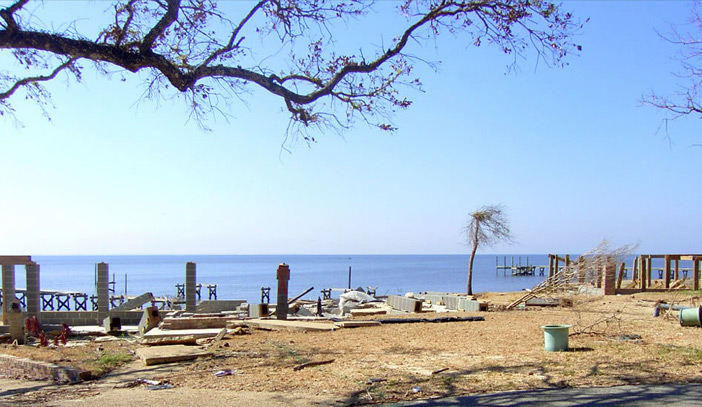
235, 33
168, 18
30, 80
7, 14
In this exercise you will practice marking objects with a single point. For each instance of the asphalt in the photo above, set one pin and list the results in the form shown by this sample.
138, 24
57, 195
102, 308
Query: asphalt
681, 395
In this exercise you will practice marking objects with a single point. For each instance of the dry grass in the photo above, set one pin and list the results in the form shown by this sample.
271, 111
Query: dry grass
614, 341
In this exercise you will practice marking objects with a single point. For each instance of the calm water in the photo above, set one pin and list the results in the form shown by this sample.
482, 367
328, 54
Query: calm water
242, 276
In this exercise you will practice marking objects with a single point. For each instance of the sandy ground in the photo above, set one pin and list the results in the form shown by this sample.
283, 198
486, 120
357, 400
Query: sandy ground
614, 340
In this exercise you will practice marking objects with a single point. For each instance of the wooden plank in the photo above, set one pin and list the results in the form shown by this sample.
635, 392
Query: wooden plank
290, 325
696, 274
666, 271
368, 311
170, 354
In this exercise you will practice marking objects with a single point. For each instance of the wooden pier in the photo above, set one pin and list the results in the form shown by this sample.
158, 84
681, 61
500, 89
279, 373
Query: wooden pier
518, 269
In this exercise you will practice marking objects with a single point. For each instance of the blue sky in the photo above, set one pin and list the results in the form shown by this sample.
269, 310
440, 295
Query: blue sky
570, 153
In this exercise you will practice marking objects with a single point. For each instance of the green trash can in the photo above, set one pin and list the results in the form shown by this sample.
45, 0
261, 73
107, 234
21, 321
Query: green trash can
555, 337
690, 316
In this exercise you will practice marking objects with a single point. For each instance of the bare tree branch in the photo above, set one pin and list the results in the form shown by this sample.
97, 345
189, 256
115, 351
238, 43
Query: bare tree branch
193, 44
36, 79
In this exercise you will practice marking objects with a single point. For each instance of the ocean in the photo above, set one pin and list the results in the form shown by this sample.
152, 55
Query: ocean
242, 276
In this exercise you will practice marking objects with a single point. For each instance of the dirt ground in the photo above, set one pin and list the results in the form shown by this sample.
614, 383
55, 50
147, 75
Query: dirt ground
614, 340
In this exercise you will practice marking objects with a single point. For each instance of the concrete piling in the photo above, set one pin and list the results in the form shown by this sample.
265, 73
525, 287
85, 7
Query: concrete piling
190, 289
283, 276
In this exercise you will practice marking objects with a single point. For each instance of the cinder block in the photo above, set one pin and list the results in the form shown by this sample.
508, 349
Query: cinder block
258, 310
112, 324
451, 301
404, 303
434, 299
465, 304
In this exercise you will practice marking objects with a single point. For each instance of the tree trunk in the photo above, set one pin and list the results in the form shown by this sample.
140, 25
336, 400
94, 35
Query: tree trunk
470, 270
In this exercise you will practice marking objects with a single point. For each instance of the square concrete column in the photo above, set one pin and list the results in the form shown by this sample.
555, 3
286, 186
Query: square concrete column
8, 290
33, 290
102, 282
281, 306
190, 282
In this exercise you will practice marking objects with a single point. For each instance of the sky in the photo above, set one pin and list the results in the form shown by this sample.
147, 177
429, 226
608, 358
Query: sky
571, 154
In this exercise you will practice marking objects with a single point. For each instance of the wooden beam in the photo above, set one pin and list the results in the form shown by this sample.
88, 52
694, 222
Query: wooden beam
643, 272
696, 275
620, 276
677, 268
666, 271
16, 260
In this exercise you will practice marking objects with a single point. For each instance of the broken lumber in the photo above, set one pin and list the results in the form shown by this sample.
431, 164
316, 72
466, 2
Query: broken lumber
310, 364
367, 311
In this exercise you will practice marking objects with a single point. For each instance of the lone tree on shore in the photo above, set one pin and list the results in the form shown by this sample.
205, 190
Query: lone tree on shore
305, 52
486, 226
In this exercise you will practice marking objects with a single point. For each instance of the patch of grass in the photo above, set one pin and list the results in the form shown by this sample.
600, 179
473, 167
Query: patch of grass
108, 361
689, 292
685, 354
285, 351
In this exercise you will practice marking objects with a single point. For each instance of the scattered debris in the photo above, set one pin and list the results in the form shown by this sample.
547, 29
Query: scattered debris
311, 364
160, 387
225, 372
439, 371
354, 298
435, 320
169, 354
629, 337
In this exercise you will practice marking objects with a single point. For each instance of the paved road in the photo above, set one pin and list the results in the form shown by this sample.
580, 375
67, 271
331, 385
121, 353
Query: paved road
686, 395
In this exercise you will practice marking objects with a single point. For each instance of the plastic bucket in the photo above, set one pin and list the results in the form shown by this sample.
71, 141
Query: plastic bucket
555, 337
690, 316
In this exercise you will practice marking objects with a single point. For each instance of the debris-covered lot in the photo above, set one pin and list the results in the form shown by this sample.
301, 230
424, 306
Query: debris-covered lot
614, 340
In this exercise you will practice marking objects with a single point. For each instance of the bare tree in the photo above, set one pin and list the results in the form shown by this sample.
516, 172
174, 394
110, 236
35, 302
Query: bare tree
486, 226
687, 100
213, 53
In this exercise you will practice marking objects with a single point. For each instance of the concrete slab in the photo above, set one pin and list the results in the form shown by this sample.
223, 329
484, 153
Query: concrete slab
290, 325
169, 354
135, 302
197, 333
